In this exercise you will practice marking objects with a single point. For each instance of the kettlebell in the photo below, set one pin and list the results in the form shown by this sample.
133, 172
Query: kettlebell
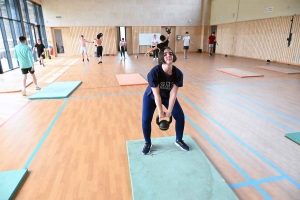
163, 124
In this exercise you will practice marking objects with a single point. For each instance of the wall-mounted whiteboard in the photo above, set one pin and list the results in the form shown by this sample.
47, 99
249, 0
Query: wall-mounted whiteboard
146, 38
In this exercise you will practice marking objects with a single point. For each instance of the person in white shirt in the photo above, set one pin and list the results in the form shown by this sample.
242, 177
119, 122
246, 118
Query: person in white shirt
186, 44
154, 44
122, 47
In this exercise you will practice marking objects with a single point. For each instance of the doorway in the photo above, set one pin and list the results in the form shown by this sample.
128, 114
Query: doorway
59, 44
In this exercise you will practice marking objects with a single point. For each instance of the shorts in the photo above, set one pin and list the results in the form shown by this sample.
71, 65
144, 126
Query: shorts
82, 49
99, 51
210, 45
41, 55
26, 70
186, 47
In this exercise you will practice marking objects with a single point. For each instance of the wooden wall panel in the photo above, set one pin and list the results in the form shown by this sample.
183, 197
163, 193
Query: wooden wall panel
129, 40
109, 39
264, 39
198, 34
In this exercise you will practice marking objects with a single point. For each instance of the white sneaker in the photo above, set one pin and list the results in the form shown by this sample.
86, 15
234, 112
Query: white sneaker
24, 92
37, 88
153, 58
156, 58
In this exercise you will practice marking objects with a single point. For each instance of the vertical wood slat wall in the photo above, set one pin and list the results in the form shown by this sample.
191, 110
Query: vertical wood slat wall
89, 33
264, 39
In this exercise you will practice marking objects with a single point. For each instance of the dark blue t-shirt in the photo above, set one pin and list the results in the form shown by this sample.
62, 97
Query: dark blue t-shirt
157, 76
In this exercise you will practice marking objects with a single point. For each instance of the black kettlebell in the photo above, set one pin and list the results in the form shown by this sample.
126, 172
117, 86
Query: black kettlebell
163, 124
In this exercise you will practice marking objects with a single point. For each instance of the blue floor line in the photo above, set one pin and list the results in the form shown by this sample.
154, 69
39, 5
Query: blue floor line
243, 143
108, 95
45, 134
262, 192
86, 68
265, 180
252, 101
241, 171
246, 108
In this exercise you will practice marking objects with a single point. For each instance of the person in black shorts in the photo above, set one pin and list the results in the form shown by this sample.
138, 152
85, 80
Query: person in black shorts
40, 49
23, 54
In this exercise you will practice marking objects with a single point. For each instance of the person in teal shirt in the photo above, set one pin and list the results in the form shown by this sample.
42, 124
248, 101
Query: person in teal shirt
24, 55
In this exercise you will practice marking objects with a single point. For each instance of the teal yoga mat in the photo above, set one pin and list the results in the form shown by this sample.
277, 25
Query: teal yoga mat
56, 90
294, 137
171, 173
9, 182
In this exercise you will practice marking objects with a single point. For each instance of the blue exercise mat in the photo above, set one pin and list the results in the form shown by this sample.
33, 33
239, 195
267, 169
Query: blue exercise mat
294, 137
9, 182
56, 90
171, 173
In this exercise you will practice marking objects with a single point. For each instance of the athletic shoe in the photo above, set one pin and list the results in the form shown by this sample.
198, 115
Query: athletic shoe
24, 92
153, 58
182, 145
156, 58
146, 149
37, 88
43, 65
88, 60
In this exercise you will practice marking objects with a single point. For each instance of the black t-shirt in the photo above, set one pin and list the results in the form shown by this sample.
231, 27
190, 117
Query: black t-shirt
40, 48
157, 76
163, 44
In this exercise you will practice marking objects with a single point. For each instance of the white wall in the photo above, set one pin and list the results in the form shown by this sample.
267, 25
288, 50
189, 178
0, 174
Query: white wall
228, 11
123, 12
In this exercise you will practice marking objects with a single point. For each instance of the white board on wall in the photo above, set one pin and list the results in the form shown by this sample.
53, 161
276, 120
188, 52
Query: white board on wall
146, 38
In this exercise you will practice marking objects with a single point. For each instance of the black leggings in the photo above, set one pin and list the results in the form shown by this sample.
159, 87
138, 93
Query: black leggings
122, 51
99, 51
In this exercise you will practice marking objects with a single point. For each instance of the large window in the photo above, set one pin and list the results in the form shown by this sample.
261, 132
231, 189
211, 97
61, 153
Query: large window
13, 9
3, 8
3, 57
29, 23
31, 12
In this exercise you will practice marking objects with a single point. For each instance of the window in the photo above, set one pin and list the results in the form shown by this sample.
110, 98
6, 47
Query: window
3, 8
23, 11
3, 58
13, 9
31, 12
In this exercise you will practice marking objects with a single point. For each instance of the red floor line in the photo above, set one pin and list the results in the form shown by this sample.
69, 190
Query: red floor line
14, 114
100, 87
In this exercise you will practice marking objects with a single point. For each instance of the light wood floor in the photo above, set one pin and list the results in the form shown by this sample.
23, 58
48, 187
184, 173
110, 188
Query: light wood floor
239, 123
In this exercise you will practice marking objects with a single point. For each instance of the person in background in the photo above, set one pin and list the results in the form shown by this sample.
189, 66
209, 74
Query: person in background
40, 49
154, 44
122, 48
23, 54
211, 41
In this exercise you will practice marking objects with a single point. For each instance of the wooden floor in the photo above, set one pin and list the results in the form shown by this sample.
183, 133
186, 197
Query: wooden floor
75, 148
